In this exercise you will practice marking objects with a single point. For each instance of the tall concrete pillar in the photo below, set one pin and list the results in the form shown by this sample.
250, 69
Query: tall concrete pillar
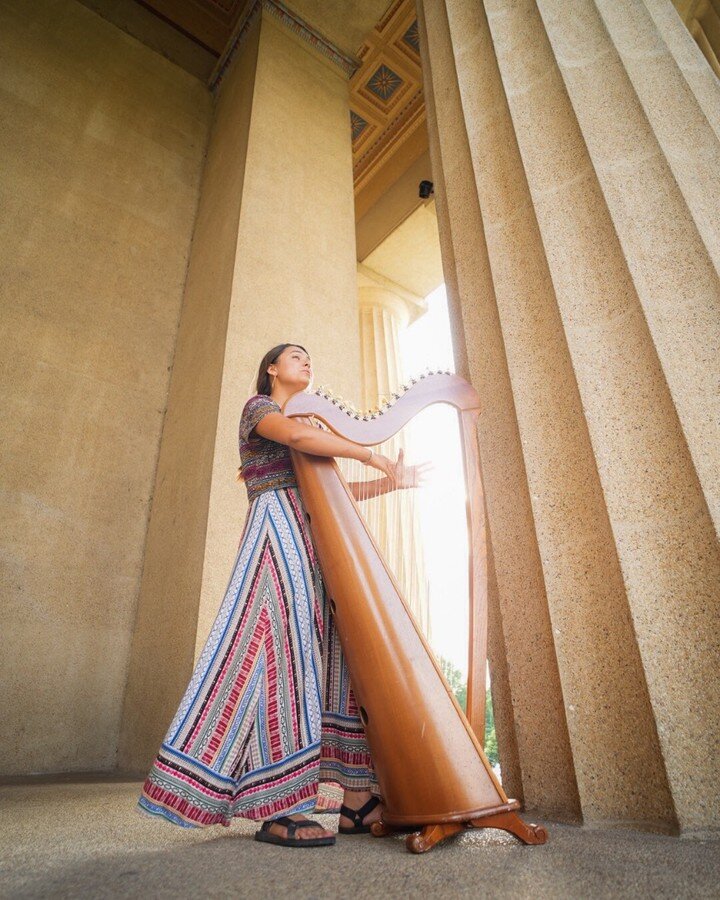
273, 252
579, 164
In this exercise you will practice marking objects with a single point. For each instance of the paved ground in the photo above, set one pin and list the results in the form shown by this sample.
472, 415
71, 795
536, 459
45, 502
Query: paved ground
86, 840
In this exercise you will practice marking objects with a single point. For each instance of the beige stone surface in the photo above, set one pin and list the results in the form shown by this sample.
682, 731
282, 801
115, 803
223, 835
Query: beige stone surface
667, 161
166, 624
654, 315
343, 22
101, 146
702, 18
92, 843
273, 251
392, 208
591, 239
158, 34
576, 160
410, 254
530, 718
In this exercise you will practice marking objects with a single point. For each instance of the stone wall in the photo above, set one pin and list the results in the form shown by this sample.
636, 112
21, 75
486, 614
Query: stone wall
99, 182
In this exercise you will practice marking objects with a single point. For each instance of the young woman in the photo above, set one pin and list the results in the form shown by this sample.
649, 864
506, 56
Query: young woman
269, 713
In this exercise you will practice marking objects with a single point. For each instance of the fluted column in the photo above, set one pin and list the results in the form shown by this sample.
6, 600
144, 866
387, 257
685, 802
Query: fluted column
581, 200
385, 309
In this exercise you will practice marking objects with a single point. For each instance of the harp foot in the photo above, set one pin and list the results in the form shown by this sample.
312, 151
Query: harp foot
380, 829
425, 840
510, 821
429, 835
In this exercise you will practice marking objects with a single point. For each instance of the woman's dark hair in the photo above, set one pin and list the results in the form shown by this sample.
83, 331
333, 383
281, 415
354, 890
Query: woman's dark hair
264, 382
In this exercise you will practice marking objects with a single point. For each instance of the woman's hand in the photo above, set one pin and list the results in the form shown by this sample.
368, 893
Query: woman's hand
398, 474
410, 476
385, 465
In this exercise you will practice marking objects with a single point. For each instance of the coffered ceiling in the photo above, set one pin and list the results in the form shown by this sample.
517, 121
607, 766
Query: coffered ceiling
387, 106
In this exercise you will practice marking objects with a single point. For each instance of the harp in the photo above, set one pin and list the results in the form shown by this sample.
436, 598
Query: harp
434, 776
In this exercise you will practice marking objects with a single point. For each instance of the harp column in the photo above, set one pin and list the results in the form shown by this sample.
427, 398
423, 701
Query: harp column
578, 158
385, 309
272, 260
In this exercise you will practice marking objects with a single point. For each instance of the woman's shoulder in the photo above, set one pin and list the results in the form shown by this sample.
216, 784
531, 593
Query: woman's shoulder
258, 400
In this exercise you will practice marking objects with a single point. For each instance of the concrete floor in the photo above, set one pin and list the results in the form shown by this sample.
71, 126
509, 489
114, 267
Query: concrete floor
70, 839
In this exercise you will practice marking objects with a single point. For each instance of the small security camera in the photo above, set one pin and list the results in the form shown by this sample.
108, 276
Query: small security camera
425, 189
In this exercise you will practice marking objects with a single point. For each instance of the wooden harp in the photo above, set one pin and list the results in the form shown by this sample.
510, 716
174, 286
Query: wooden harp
434, 777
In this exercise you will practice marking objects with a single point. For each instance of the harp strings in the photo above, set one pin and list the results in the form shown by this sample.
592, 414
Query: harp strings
393, 519
422, 531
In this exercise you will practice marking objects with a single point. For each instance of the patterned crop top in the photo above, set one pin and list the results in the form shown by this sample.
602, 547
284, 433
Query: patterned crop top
266, 464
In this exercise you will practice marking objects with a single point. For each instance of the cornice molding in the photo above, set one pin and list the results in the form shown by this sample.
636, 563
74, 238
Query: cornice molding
290, 20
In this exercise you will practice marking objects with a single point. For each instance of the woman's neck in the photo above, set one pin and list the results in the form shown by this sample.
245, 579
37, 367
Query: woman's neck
281, 395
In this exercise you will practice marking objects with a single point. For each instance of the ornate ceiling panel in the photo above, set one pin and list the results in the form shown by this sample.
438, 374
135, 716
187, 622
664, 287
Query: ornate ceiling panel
387, 106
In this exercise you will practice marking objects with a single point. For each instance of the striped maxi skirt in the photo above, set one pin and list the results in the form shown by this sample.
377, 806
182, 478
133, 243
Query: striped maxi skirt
269, 712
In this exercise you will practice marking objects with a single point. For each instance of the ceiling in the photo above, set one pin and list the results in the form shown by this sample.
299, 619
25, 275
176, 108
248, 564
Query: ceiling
387, 105
387, 108
210, 23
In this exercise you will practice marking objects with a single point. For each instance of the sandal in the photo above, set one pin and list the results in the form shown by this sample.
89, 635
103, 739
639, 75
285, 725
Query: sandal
357, 816
290, 840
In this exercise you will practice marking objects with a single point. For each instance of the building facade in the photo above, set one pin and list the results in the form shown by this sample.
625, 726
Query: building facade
186, 185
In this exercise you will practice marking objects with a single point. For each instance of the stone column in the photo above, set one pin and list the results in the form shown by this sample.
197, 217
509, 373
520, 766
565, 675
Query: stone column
386, 309
273, 252
579, 169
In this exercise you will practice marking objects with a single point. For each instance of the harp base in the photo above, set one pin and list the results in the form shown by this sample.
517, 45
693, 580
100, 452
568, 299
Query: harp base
420, 841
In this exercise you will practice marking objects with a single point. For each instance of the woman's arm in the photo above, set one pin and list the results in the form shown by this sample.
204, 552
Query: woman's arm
285, 430
276, 427
362, 490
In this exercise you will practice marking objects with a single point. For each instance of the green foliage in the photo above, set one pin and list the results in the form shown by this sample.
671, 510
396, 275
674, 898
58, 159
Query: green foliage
455, 679
458, 685
491, 747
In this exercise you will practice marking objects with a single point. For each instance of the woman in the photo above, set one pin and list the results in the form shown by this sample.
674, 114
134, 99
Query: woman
269, 713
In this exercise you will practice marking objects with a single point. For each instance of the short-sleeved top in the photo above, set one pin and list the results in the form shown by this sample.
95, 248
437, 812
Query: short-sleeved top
266, 464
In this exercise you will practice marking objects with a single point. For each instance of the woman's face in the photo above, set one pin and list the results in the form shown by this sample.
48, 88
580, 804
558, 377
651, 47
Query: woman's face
293, 368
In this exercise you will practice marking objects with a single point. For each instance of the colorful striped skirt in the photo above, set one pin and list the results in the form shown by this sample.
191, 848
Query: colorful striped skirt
269, 712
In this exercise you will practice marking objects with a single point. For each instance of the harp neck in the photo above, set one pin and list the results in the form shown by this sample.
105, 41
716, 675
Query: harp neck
378, 426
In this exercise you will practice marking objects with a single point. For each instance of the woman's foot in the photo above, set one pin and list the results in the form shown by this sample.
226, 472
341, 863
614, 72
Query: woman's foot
355, 800
302, 834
